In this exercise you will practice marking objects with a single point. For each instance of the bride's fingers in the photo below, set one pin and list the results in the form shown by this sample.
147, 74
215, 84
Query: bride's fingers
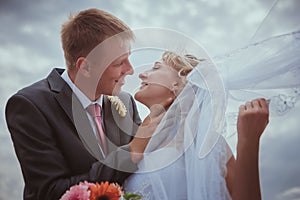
256, 104
242, 108
248, 106
167, 103
157, 109
264, 103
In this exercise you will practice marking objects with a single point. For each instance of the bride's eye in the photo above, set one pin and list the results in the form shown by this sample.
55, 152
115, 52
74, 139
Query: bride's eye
156, 66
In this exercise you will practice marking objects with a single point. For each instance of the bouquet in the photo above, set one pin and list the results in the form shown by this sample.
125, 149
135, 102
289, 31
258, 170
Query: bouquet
96, 191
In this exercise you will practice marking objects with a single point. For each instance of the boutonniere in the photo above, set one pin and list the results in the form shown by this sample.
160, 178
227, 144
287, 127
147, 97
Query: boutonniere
120, 107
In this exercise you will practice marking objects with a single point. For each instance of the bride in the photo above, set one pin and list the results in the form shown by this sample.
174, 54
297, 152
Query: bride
188, 157
170, 167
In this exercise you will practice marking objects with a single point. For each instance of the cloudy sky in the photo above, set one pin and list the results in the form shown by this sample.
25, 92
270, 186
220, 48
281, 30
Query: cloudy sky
30, 47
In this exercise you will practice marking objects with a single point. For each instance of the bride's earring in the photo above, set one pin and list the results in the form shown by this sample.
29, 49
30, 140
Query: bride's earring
175, 89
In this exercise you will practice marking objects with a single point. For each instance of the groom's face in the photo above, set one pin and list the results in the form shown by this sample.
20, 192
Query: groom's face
113, 78
110, 66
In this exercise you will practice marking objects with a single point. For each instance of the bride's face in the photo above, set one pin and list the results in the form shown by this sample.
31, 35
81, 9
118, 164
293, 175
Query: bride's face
158, 84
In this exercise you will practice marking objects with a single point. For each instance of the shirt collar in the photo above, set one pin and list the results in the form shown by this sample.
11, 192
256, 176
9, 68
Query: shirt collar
84, 100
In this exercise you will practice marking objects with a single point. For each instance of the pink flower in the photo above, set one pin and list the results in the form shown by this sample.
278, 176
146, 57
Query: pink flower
95, 191
78, 192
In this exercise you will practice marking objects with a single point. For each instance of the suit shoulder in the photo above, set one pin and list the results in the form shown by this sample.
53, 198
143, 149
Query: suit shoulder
34, 90
125, 95
43, 87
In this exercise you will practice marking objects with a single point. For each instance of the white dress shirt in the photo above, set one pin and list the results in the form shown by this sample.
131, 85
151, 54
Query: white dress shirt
84, 100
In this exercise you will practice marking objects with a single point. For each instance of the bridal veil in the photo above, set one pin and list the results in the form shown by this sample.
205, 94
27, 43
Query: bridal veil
202, 120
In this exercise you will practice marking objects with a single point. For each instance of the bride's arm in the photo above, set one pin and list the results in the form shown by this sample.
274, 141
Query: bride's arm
230, 174
243, 174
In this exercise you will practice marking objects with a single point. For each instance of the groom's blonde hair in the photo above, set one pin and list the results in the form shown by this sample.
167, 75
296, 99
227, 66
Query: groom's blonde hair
85, 30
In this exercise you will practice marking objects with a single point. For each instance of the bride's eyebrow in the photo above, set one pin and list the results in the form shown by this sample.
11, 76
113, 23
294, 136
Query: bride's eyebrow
156, 65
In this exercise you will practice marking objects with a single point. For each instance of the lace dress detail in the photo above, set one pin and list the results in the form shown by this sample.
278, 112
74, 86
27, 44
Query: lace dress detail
283, 103
139, 184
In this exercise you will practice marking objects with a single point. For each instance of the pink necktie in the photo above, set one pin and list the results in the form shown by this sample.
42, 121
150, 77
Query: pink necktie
95, 112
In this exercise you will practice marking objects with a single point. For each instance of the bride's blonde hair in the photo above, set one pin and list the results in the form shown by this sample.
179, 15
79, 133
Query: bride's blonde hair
183, 64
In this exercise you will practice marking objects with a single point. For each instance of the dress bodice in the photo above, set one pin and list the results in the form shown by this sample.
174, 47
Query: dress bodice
169, 180
161, 174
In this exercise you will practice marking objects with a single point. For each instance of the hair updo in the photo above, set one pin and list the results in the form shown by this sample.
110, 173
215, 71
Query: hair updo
183, 64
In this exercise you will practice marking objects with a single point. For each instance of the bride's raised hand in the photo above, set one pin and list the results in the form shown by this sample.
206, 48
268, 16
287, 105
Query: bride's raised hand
252, 120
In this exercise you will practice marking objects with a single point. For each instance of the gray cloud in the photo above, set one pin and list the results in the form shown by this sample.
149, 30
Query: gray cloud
279, 159
30, 47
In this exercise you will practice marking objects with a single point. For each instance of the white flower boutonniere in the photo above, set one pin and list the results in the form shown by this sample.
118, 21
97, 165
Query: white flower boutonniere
120, 107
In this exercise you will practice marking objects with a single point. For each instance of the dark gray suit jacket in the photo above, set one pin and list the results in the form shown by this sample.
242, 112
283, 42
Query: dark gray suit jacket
54, 141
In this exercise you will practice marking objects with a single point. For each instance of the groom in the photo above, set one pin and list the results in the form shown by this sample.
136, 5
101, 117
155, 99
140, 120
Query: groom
57, 138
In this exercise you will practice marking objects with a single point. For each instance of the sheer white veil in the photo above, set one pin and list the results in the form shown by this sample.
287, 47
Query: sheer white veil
193, 130
206, 111
269, 69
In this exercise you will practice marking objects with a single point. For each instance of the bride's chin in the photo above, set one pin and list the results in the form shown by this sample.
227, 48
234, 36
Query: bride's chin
139, 97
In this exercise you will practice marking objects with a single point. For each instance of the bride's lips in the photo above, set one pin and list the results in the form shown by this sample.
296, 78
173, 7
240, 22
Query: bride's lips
143, 84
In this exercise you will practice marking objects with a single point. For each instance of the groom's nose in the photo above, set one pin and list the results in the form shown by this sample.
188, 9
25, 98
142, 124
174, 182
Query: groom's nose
128, 69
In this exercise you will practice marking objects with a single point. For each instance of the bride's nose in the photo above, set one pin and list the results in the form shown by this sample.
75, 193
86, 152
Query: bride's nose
143, 75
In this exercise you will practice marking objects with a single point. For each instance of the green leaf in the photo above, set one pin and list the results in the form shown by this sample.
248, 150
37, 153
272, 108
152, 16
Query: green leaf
130, 196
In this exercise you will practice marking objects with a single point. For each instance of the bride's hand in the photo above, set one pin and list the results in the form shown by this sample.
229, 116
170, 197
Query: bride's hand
147, 128
252, 120
157, 111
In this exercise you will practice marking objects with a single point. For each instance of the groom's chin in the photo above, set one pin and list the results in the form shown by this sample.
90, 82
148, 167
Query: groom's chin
116, 91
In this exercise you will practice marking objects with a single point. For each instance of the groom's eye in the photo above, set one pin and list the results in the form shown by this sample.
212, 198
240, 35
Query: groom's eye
118, 64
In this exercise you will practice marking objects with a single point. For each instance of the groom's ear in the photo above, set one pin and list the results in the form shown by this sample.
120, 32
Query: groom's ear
83, 66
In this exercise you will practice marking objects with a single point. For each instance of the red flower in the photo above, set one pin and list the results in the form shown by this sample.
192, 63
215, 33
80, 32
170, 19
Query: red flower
105, 191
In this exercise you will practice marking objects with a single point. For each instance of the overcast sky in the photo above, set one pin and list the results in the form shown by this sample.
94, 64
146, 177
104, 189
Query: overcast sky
30, 47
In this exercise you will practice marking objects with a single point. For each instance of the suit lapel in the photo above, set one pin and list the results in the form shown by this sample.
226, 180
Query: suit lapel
74, 110
63, 92
84, 129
